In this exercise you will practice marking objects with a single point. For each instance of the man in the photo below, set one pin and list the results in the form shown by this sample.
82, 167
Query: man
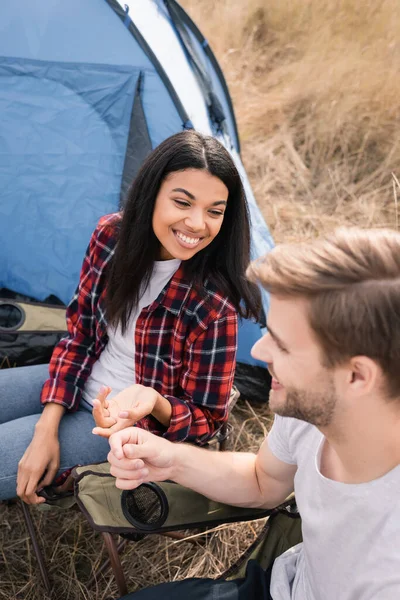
333, 349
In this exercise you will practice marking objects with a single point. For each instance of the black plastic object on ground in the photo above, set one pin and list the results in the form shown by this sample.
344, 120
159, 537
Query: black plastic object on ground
253, 383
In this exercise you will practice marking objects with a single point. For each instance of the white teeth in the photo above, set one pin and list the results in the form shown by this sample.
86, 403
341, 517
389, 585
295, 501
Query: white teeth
187, 239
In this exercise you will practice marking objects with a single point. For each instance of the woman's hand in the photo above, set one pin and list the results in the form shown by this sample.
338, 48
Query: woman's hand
41, 458
124, 410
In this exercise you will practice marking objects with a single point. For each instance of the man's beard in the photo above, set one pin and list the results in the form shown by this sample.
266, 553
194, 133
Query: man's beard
317, 408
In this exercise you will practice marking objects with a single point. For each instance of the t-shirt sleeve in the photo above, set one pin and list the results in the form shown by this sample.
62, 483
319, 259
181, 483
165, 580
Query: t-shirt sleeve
279, 440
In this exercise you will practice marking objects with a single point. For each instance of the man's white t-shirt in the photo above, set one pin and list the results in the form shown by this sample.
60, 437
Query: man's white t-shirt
116, 364
351, 532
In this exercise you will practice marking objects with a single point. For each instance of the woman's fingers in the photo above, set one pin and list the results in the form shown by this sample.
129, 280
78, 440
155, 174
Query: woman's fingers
109, 425
101, 415
102, 395
23, 479
101, 402
28, 493
104, 432
50, 475
100, 409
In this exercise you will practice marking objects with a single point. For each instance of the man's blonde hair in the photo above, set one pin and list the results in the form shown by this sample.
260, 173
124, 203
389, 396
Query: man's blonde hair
352, 281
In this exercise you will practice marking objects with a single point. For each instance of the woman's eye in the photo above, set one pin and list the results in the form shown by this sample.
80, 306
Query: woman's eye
182, 203
217, 213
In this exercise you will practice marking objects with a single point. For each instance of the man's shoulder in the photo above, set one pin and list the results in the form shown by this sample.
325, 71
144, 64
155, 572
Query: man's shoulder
289, 436
294, 427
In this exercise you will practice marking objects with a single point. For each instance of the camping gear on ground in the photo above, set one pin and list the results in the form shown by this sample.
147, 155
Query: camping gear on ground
87, 90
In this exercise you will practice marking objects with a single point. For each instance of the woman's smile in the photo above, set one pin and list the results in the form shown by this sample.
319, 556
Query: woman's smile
186, 240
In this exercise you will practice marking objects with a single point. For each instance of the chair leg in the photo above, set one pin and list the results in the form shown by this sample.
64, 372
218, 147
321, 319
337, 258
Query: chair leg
224, 434
223, 445
115, 563
106, 564
38, 553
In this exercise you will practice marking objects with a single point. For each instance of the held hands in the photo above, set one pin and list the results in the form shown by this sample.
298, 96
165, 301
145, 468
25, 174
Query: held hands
137, 455
124, 410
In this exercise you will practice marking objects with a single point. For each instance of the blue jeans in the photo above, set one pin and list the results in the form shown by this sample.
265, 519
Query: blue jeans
20, 410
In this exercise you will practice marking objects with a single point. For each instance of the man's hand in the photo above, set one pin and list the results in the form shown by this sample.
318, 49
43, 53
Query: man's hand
137, 456
42, 455
124, 410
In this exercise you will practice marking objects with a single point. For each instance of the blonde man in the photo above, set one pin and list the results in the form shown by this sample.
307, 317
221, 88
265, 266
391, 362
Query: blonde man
333, 349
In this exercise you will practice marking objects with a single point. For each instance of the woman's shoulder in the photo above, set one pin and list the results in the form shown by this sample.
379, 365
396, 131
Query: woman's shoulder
107, 228
109, 223
212, 301
104, 239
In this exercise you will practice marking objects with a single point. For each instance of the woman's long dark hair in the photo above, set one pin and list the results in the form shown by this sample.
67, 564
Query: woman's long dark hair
223, 262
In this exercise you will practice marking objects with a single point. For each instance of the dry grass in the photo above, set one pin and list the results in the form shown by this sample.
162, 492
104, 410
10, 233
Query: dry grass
316, 89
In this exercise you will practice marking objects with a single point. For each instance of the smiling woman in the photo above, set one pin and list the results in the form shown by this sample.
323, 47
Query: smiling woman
152, 327
188, 213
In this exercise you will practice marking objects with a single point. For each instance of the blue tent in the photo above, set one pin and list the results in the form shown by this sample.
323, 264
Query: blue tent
87, 89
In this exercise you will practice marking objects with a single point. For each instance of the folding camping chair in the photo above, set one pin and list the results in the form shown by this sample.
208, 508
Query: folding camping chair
69, 501
166, 507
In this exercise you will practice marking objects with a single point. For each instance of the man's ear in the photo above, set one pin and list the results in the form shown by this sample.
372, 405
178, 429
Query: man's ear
364, 374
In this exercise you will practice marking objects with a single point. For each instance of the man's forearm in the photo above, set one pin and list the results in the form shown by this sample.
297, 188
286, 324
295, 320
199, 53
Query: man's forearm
227, 477
236, 478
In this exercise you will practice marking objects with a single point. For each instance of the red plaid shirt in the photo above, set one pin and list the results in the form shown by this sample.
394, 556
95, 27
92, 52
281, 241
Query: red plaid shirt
185, 346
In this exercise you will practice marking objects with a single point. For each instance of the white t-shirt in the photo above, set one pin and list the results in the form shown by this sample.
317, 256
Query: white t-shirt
116, 364
351, 532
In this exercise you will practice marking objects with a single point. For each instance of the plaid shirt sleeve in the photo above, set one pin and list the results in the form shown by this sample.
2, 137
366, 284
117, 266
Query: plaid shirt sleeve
207, 379
74, 355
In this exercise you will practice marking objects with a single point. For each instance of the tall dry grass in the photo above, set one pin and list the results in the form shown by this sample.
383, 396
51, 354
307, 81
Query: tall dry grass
316, 91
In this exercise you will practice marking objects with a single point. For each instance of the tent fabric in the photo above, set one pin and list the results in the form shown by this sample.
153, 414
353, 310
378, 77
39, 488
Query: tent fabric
87, 90
44, 107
